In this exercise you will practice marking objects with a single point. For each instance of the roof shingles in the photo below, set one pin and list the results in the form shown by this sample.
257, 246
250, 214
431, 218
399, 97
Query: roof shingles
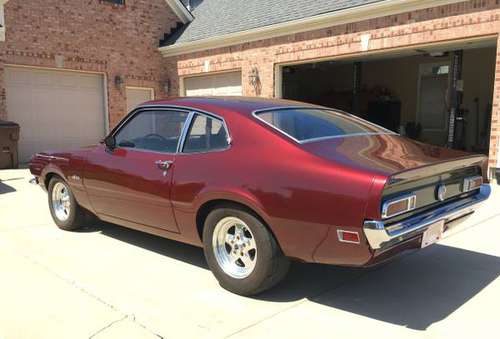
220, 17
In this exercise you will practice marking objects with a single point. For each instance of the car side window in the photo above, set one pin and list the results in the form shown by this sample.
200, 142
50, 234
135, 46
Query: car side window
205, 134
158, 131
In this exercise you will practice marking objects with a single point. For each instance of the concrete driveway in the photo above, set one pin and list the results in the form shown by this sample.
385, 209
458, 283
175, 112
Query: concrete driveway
110, 282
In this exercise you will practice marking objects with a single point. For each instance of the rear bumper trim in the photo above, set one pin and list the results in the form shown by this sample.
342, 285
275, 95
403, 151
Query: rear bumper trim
380, 235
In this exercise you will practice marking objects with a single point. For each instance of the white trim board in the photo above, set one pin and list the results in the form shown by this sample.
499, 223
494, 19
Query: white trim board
355, 14
180, 10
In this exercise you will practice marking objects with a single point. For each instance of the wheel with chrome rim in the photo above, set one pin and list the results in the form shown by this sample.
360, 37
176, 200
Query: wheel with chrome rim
241, 251
234, 247
60, 201
65, 211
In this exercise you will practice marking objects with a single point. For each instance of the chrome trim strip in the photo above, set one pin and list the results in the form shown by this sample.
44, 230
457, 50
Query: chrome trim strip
184, 132
379, 234
50, 157
344, 136
256, 113
411, 205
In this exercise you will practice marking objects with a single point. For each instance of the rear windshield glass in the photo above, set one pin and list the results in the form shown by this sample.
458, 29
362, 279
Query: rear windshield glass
304, 124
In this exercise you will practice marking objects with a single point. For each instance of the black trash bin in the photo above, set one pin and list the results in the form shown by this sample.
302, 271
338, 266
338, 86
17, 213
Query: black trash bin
9, 136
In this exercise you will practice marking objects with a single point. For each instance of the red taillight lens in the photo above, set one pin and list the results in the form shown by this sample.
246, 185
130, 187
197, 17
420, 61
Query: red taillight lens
399, 206
348, 236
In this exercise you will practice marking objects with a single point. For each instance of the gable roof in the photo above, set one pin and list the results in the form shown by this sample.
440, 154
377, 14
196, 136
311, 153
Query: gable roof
220, 23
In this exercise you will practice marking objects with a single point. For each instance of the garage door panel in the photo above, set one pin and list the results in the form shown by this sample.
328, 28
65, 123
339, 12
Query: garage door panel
214, 85
137, 96
55, 109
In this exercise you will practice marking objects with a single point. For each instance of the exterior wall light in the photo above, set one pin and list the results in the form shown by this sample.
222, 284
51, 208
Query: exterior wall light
119, 81
166, 86
254, 80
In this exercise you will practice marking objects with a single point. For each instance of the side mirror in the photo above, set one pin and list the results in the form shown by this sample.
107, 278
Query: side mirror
110, 142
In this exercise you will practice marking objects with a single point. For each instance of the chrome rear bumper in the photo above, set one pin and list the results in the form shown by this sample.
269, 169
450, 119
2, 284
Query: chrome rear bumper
380, 235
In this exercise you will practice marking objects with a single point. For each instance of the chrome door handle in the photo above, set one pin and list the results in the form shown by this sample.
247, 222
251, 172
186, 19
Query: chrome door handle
163, 164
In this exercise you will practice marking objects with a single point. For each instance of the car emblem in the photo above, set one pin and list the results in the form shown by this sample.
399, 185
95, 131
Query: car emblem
441, 192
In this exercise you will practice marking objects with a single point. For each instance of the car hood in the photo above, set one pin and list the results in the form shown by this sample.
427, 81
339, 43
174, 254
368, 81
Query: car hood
388, 154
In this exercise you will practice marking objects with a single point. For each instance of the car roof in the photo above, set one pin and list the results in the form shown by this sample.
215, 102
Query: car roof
238, 104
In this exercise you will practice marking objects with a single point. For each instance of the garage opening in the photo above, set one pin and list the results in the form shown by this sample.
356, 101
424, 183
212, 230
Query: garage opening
441, 96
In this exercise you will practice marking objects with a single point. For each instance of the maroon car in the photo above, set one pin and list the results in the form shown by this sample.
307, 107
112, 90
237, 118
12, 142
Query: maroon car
258, 182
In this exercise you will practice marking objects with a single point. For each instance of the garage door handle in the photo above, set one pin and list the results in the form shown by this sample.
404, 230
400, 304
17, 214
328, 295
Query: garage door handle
163, 164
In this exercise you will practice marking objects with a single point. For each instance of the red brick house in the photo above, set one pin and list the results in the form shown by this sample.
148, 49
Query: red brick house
427, 68
70, 69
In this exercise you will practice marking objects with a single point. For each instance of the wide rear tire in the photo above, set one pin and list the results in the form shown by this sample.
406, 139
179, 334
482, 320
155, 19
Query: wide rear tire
241, 252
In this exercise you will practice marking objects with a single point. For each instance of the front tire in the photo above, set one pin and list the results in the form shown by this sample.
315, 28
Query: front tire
241, 252
65, 211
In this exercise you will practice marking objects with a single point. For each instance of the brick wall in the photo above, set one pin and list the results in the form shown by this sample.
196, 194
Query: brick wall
469, 19
90, 35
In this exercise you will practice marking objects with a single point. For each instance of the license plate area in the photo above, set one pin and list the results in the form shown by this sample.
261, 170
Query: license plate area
433, 234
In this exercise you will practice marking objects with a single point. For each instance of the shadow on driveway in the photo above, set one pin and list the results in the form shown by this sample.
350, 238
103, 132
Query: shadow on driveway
414, 290
6, 188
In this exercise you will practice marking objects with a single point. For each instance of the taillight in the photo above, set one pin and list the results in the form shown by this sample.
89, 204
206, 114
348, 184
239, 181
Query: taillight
472, 183
399, 205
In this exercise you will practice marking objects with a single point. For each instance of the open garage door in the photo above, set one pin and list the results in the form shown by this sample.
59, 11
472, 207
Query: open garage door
55, 109
214, 85
409, 91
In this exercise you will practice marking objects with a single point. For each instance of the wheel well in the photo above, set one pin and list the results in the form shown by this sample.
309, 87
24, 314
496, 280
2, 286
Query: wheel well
209, 206
49, 177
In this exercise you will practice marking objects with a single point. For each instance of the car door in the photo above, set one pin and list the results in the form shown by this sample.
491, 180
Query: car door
203, 162
132, 182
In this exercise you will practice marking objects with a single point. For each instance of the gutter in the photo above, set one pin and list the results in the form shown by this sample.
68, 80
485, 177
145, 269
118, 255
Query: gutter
349, 15
180, 10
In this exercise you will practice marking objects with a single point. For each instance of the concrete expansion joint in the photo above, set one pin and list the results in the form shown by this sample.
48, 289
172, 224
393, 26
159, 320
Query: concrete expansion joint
130, 317
108, 326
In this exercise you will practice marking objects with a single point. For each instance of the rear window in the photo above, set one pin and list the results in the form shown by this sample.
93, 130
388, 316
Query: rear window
304, 124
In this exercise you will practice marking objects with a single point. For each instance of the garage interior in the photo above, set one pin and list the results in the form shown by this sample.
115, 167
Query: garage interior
411, 92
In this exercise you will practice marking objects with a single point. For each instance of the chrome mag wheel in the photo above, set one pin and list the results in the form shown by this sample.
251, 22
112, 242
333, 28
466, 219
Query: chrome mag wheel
61, 202
234, 247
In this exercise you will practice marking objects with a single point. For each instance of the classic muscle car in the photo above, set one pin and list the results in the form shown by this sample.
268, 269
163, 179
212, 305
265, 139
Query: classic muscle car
258, 182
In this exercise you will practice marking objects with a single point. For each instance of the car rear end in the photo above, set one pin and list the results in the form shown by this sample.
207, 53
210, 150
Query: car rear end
417, 192
418, 206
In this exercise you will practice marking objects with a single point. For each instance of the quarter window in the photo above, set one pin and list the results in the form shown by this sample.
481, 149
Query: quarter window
153, 130
205, 134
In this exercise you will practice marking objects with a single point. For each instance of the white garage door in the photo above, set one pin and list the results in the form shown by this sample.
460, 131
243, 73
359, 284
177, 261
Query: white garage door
213, 85
55, 109
137, 96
